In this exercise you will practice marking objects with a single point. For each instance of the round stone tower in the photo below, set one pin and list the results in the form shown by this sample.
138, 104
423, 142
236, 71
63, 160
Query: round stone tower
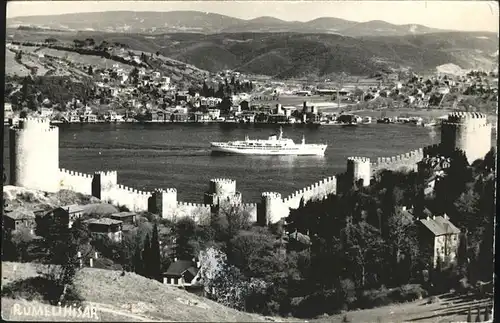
271, 208
359, 168
467, 131
222, 190
34, 155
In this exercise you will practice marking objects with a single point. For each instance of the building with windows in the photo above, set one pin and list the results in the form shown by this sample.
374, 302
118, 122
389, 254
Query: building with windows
105, 226
439, 239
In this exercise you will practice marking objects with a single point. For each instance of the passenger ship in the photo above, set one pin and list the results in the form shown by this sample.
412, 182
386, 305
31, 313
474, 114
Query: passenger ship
274, 145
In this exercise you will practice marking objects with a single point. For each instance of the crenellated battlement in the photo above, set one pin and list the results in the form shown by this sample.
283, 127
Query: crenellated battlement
222, 186
408, 161
37, 123
76, 174
461, 117
132, 190
409, 156
359, 159
193, 205
223, 180
107, 173
272, 195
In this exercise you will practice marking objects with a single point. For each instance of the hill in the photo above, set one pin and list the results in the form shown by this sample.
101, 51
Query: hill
207, 23
291, 55
131, 298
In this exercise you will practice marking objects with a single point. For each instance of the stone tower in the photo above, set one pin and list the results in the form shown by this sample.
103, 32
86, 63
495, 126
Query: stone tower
467, 131
34, 155
222, 191
165, 203
271, 208
359, 168
103, 184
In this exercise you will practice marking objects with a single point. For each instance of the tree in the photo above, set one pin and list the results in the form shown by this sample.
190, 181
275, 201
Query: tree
61, 245
225, 104
185, 232
402, 240
146, 257
21, 239
138, 263
90, 71
252, 253
220, 91
155, 261
9, 252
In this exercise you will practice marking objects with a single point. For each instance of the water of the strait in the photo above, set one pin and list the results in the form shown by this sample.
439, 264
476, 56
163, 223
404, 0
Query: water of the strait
149, 156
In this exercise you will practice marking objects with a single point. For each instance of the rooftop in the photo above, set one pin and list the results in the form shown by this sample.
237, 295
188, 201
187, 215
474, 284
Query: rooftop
72, 208
180, 266
104, 221
440, 225
20, 214
123, 214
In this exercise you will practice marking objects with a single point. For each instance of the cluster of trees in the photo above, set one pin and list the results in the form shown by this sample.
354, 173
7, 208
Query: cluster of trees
58, 89
224, 89
147, 262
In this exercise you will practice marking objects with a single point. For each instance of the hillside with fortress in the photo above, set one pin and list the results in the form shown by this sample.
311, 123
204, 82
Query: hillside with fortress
34, 152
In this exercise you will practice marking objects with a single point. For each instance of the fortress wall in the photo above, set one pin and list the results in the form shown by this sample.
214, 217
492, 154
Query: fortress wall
200, 213
316, 191
75, 181
403, 162
131, 198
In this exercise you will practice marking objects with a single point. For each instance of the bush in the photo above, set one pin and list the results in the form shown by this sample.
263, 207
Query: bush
315, 304
409, 292
40, 289
375, 298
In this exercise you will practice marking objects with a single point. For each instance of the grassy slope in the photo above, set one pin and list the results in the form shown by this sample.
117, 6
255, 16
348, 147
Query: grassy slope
114, 295
149, 299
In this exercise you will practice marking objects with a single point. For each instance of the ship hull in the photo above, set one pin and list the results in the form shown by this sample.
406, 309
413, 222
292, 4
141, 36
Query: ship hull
309, 151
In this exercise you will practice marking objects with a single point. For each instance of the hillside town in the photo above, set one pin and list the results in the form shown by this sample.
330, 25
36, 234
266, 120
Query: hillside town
145, 94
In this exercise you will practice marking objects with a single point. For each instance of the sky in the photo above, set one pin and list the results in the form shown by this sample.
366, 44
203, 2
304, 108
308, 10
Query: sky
451, 15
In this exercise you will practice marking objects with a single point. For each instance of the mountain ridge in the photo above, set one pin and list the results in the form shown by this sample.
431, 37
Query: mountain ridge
209, 23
